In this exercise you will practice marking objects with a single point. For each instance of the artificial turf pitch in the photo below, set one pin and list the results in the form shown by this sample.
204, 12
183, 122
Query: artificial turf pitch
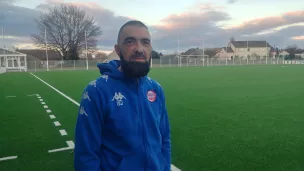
237, 118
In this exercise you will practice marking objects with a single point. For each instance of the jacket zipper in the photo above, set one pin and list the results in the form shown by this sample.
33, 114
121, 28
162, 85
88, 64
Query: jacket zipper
142, 122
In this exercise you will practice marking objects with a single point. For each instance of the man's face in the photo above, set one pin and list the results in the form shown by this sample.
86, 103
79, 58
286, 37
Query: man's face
134, 48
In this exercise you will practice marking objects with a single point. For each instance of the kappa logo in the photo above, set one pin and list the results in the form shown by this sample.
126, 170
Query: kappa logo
106, 77
93, 83
118, 97
82, 111
86, 96
151, 95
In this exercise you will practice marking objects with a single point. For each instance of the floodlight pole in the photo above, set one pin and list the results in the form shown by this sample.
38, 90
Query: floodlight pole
85, 35
46, 52
179, 56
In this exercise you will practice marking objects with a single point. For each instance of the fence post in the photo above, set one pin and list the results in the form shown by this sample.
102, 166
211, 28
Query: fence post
74, 65
226, 61
195, 61
247, 60
61, 64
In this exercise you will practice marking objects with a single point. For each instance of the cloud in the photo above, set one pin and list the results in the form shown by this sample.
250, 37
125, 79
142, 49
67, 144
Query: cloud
7, 1
232, 1
201, 21
298, 37
267, 23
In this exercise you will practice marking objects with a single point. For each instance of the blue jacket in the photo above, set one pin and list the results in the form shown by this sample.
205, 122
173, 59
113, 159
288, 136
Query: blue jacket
122, 124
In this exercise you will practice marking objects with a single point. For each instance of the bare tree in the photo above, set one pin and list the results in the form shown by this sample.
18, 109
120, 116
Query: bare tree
65, 27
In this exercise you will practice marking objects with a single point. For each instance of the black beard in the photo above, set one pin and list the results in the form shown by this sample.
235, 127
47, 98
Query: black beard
133, 69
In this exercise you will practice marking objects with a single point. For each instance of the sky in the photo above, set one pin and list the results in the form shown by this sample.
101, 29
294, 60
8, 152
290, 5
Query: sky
279, 22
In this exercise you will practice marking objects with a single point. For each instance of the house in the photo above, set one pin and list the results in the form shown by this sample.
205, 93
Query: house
225, 52
251, 49
300, 55
195, 53
39, 54
283, 53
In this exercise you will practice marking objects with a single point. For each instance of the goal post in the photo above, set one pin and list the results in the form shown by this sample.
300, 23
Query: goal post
193, 60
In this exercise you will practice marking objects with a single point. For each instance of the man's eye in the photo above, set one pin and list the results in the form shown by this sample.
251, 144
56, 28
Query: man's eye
129, 41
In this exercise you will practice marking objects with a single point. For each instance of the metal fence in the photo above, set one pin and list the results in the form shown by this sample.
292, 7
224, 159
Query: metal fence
35, 66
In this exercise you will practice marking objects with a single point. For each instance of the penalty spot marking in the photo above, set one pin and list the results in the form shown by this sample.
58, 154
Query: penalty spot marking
70, 144
52, 116
8, 158
56, 123
63, 132
173, 168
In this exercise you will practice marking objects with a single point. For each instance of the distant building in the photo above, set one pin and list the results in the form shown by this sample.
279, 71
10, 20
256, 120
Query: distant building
251, 49
113, 56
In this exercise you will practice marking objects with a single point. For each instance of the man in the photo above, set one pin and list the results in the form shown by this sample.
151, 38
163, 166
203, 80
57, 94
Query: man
123, 122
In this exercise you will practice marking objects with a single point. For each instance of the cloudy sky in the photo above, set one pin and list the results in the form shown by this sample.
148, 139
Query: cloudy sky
280, 22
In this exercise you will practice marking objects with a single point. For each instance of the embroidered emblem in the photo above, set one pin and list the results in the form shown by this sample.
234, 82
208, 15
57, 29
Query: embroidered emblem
151, 95
118, 97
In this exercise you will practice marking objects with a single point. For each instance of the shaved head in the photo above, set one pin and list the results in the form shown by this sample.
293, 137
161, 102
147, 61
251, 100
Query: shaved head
130, 23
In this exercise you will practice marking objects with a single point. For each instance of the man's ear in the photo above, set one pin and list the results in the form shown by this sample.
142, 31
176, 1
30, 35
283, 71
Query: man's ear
117, 50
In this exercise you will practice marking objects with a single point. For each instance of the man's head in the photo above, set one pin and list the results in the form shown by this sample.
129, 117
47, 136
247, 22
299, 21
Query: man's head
134, 49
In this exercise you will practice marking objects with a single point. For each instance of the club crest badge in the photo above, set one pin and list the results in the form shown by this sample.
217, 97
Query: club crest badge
151, 95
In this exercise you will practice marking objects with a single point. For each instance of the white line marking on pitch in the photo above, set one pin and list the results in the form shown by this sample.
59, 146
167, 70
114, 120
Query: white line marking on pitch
52, 116
41, 100
9, 96
43, 103
173, 168
56, 123
70, 144
63, 132
76, 103
45, 106
39, 97
8, 158
57, 90
33, 95
48, 111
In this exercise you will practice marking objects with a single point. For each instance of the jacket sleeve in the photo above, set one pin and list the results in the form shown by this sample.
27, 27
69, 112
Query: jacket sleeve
88, 132
165, 131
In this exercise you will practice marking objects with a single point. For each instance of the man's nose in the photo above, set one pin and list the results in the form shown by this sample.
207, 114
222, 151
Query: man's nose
139, 47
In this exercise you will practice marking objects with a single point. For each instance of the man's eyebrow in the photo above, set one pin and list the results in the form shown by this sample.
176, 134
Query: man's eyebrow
133, 38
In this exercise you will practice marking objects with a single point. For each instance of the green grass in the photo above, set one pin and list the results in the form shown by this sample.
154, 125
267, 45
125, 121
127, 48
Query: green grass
222, 118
